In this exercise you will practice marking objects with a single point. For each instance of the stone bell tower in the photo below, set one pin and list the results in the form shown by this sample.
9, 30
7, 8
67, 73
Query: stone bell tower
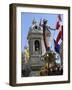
36, 46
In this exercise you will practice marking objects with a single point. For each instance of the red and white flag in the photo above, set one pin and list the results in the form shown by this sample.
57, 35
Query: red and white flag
59, 26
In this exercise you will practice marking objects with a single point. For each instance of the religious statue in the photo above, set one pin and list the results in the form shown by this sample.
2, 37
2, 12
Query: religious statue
46, 34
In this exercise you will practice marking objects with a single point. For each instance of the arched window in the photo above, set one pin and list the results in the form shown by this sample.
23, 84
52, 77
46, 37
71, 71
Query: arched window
37, 45
36, 27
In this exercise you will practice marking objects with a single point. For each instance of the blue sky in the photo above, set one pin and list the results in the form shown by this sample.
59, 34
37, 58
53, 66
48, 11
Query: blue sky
26, 21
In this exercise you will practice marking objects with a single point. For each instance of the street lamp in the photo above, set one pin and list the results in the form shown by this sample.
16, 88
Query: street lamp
47, 59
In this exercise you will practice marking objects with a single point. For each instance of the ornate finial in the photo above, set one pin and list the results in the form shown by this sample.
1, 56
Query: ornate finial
34, 21
40, 23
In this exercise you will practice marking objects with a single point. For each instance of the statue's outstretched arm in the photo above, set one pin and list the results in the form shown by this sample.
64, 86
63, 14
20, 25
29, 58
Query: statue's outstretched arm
51, 28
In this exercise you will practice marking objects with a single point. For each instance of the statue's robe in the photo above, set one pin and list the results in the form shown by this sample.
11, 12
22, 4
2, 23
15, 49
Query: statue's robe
46, 37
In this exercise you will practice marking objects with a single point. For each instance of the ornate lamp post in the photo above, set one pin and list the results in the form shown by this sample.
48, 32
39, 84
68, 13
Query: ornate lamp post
49, 58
